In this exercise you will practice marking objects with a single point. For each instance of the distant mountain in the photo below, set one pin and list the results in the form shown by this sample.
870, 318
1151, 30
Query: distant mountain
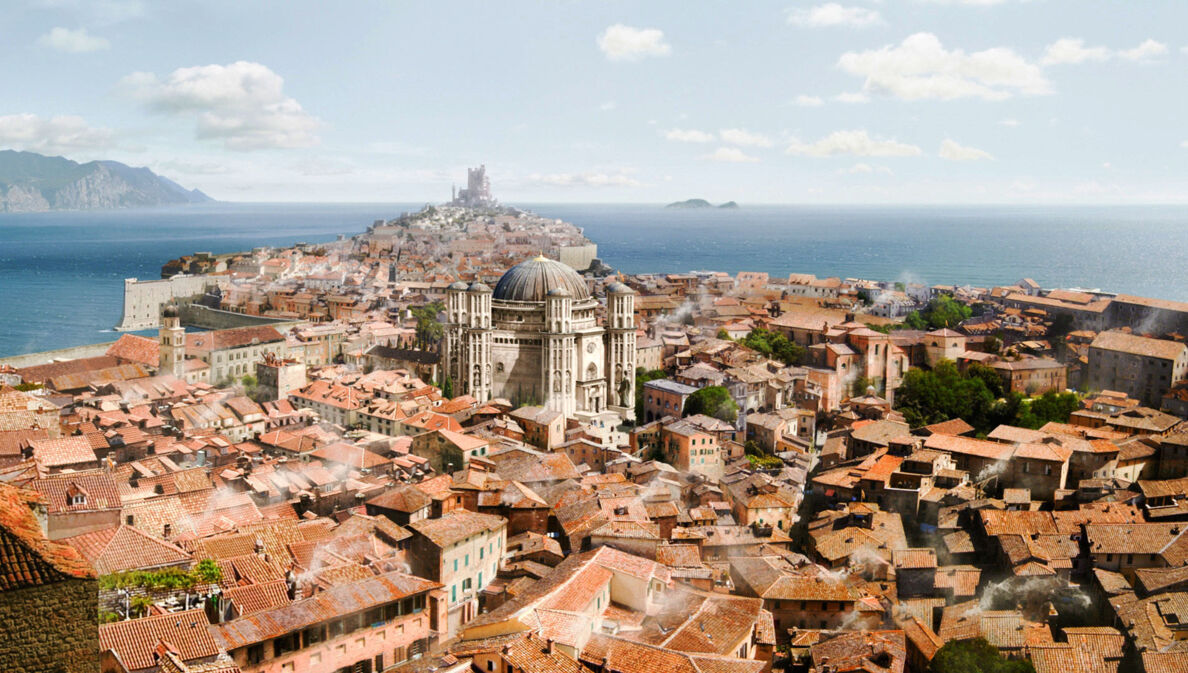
700, 203
31, 182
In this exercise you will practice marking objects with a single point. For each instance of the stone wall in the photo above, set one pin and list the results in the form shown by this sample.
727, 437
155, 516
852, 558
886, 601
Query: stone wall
52, 628
45, 357
196, 315
143, 299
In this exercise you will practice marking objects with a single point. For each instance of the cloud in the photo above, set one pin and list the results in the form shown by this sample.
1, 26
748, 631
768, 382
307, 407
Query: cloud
852, 97
865, 168
809, 101
978, 3
1184, 144
744, 137
730, 155
955, 152
242, 104
192, 167
1146, 51
688, 136
584, 180
920, 67
1009, 121
73, 41
608, 106
625, 43
100, 12
832, 14
56, 135
857, 143
1070, 50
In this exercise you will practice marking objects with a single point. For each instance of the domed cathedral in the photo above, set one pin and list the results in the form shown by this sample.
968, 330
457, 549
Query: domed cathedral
536, 339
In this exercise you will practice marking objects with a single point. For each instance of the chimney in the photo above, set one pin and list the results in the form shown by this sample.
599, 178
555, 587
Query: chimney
549, 646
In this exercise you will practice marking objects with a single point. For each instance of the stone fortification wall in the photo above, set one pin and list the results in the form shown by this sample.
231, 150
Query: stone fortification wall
143, 299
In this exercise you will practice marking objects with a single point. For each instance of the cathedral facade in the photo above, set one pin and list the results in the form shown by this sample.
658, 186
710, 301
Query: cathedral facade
536, 339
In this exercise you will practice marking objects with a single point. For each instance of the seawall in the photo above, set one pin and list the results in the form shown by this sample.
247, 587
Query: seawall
72, 353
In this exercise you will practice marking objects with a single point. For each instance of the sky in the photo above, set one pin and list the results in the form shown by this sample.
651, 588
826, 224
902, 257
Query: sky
849, 102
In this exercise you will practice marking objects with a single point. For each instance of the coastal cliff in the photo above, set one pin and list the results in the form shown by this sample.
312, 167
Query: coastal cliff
31, 182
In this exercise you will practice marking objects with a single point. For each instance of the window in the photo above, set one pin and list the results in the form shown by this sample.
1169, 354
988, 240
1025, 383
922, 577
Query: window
78, 499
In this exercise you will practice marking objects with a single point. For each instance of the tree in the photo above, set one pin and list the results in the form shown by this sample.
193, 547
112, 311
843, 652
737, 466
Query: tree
975, 656
642, 376
712, 401
774, 345
248, 381
723, 334
208, 571
1051, 407
447, 388
993, 344
942, 311
429, 330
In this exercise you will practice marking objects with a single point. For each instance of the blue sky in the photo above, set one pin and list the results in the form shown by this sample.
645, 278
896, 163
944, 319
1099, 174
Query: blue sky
856, 101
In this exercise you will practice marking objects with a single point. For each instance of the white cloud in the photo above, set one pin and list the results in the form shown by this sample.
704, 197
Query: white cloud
1146, 51
191, 167
953, 151
865, 168
1071, 50
625, 43
1184, 144
920, 67
833, 14
852, 97
808, 101
978, 3
856, 143
688, 136
73, 41
100, 12
744, 137
608, 106
242, 104
56, 135
584, 180
1009, 121
730, 155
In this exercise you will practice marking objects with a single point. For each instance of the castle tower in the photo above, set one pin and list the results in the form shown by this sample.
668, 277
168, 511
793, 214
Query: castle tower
453, 344
478, 342
560, 356
172, 338
620, 351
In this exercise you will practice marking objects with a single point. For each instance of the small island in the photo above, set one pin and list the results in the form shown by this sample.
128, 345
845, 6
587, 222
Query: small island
700, 203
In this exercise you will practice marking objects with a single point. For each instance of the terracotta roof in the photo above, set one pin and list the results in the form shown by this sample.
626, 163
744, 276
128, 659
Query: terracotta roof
97, 487
254, 598
27, 557
1138, 345
135, 641
114, 550
63, 452
332, 603
205, 342
457, 526
133, 348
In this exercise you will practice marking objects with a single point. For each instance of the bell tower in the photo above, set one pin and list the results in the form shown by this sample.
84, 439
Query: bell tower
172, 338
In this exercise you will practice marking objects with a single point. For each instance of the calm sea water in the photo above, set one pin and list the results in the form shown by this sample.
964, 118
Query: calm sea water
61, 274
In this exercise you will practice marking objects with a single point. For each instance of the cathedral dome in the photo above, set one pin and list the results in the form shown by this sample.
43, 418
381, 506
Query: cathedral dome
532, 280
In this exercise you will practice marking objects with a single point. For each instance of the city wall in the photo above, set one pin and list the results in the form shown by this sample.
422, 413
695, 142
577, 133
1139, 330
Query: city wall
143, 299
72, 353
205, 317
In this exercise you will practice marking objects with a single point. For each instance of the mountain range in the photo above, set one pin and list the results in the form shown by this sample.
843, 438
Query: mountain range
31, 182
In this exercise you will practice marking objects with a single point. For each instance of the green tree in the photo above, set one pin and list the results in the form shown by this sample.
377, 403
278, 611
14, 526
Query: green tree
248, 381
447, 388
975, 656
774, 345
642, 376
942, 311
1051, 407
712, 401
723, 334
429, 330
208, 571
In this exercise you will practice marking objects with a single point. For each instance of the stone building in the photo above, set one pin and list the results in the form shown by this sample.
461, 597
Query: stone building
1142, 368
49, 596
536, 339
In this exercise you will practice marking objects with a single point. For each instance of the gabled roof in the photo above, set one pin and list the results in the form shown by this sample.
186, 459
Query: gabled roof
27, 557
114, 550
135, 641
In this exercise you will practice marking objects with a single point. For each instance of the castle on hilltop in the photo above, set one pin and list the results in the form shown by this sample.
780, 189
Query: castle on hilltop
478, 190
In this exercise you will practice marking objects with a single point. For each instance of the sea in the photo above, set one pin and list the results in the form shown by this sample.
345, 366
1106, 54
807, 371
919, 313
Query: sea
62, 273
